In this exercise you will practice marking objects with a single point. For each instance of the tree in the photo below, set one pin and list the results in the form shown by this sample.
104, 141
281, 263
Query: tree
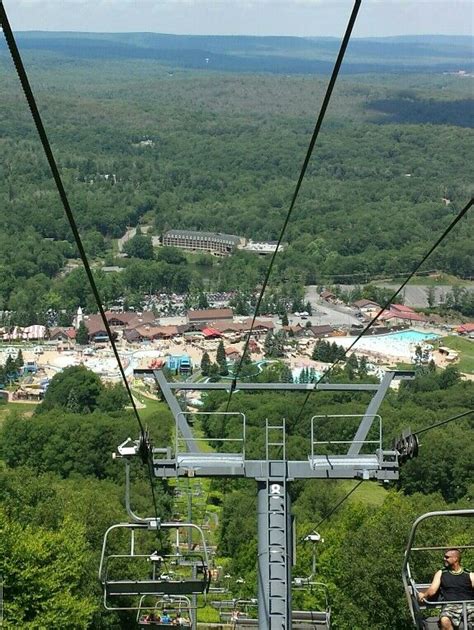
221, 359
214, 372
140, 246
205, 364
418, 355
19, 362
203, 302
352, 366
431, 296
284, 319
44, 573
112, 398
82, 334
87, 388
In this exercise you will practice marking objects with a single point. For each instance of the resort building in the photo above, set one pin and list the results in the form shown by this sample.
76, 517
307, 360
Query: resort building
211, 242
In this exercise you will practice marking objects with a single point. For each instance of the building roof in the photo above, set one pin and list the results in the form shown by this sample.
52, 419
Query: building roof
231, 350
408, 315
326, 294
262, 324
211, 332
401, 308
60, 331
199, 236
130, 319
324, 329
210, 314
364, 302
152, 332
465, 328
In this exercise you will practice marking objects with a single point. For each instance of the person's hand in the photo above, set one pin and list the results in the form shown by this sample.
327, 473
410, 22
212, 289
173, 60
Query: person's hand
421, 597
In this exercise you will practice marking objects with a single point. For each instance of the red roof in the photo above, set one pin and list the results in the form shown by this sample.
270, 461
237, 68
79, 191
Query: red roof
211, 332
401, 308
409, 315
465, 328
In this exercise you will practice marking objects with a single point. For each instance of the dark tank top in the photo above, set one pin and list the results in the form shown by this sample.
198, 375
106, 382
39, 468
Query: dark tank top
456, 586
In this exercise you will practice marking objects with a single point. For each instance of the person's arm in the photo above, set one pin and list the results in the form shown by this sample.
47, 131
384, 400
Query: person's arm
432, 589
471, 575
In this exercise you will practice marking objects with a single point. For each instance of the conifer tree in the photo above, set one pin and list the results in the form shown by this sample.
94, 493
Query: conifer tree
221, 359
82, 335
205, 364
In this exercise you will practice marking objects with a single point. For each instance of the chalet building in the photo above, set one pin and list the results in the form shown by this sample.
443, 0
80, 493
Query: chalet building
62, 333
211, 242
401, 314
232, 353
204, 316
129, 320
366, 306
319, 332
328, 296
466, 329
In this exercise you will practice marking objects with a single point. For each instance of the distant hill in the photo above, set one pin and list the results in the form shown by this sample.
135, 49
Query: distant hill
287, 55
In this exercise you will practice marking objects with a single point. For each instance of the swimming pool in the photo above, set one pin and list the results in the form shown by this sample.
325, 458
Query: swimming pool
400, 344
411, 336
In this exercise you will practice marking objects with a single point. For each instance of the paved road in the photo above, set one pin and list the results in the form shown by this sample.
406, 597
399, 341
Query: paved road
325, 313
416, 295
130, 233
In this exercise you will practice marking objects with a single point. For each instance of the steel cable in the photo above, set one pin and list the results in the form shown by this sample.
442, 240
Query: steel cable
314, 137
28, 92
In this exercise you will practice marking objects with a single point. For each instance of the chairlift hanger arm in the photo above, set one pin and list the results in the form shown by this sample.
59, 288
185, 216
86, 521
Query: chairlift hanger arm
373, 407
173, 404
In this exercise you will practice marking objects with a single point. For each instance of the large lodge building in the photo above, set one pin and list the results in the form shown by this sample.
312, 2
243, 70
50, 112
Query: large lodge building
211, 242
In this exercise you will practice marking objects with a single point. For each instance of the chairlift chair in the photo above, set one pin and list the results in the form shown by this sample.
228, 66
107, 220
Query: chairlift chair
157, 614
412, 587
128, 576
312, 619
244, 614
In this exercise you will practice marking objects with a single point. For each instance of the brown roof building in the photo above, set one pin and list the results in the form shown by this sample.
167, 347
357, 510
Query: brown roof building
210, 315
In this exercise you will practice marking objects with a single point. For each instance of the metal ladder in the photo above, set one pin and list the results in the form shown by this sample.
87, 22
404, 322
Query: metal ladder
279, 596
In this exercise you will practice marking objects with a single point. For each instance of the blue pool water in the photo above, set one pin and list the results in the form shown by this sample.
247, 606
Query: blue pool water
411, 336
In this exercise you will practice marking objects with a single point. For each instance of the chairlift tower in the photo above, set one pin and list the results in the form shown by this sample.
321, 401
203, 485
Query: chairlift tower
273, 474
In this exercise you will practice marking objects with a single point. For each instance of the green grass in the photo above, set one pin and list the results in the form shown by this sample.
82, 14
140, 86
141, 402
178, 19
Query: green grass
369, 492
5, 409
152, 407
405, 366
440, 279
465, 347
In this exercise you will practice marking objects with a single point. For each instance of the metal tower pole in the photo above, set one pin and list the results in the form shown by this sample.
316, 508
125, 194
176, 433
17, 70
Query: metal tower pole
262, 568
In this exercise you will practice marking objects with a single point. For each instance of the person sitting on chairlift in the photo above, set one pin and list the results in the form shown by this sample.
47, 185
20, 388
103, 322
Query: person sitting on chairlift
165, 617
454, 583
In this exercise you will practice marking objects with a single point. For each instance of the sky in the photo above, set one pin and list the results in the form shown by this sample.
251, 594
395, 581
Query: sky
304, 18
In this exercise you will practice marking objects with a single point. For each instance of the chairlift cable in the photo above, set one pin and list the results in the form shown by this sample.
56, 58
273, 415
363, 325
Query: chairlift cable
440, 424
28, 92
338, 504
453, 223
433, 426
317, 128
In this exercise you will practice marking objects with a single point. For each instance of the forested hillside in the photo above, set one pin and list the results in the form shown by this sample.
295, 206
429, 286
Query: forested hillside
391, 167
141, 138
61, 490
282, 55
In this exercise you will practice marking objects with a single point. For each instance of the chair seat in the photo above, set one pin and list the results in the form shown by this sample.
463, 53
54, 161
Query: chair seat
154, 587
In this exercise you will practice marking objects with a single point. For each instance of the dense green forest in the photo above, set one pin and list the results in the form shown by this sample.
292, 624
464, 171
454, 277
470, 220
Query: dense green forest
61, 490
391, 168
